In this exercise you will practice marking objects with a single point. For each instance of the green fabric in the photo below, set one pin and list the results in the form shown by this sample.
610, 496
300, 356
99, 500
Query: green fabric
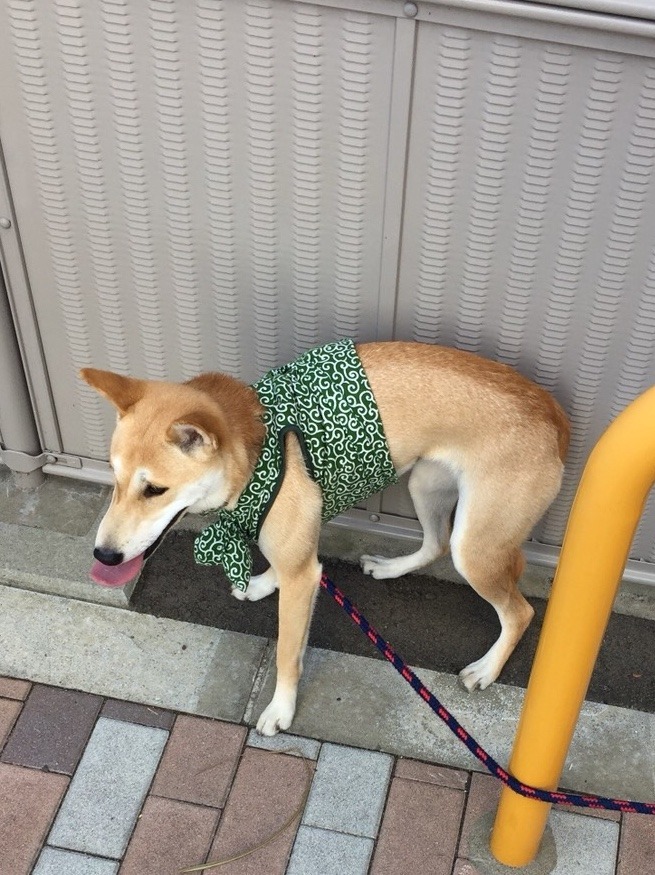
325, 398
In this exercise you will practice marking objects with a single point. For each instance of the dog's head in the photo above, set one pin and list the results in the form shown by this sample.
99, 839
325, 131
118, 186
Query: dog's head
173, 450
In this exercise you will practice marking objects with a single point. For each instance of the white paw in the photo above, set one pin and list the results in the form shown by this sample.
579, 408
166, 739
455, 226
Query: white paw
478, 675
383, 568
258, 588
275, 718
374, 565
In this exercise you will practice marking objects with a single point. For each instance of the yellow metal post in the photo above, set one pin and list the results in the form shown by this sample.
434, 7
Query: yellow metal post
607, 507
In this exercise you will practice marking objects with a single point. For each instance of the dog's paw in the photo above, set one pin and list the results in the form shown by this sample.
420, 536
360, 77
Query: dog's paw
478, 675
379, 567
275, 718
258, 588
239, 594
372, 564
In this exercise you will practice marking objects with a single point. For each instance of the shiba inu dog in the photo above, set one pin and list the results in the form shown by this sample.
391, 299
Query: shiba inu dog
484, 445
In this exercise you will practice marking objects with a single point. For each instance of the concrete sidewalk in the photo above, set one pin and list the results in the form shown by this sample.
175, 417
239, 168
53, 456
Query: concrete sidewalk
126, 745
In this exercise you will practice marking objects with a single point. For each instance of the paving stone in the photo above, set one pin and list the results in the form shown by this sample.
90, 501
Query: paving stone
200, 760
584, 844
28, 802
52, 730
106, 794
482, 862
169, 836
482, 799
12, 688
54, 861
9, 711
572, 844
465, 867
414, 770
132, 712
483, 802
349, 790
323, 852
267, 790
283, 743
431, 815
637, 847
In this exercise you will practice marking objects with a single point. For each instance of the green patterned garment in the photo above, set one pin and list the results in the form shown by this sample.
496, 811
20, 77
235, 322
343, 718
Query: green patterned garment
324, 397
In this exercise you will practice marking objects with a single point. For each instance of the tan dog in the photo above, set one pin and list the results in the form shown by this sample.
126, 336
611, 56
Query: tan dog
485, 447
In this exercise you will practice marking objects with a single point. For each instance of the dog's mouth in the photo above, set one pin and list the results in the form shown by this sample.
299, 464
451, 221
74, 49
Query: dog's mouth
119, 575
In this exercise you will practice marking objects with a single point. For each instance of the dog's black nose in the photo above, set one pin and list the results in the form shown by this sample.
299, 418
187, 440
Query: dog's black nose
108, 557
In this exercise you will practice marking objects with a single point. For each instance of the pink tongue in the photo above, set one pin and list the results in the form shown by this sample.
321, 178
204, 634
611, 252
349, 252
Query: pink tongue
116, 575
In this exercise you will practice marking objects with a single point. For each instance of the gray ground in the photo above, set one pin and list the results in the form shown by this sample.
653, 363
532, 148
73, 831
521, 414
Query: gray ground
432, 623
46, 541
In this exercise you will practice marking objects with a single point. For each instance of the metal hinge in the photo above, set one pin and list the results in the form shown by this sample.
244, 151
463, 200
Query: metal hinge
24, 463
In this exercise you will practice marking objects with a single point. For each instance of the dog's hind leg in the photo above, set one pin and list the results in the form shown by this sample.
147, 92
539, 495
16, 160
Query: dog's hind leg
433, 489
496, 582
486, 551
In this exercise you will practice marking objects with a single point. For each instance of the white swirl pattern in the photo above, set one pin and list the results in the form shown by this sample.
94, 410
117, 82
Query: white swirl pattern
325, 398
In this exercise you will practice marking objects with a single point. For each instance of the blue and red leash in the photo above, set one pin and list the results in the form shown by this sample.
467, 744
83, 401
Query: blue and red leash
561, 798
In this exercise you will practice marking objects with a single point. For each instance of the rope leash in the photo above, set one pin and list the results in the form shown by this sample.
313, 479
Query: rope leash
561, 798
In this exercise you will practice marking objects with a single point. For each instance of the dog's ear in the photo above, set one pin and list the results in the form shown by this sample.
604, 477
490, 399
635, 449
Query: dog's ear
123, 392
200, 430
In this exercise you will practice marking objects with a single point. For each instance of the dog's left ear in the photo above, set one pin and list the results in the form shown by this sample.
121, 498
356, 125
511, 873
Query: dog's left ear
123, 392
197, 431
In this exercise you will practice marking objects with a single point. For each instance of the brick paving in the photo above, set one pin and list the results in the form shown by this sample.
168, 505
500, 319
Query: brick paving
52, 730
94, 786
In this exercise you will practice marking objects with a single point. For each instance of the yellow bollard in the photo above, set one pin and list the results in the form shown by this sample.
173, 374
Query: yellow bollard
607, 507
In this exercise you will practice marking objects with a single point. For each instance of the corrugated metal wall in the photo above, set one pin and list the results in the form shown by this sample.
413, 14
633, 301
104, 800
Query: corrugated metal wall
529, 217
200, 184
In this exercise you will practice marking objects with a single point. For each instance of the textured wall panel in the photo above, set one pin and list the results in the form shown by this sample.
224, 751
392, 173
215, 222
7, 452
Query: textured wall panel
203, 184
528, 223
199, 184
42, 156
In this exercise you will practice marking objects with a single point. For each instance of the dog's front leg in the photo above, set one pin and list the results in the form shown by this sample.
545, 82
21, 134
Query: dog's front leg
296, 604
289, 540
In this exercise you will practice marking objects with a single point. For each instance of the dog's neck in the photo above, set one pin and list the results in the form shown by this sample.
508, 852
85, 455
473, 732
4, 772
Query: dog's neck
242, 413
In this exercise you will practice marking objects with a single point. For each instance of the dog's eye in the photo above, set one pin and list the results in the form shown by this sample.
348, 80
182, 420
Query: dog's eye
151, 491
